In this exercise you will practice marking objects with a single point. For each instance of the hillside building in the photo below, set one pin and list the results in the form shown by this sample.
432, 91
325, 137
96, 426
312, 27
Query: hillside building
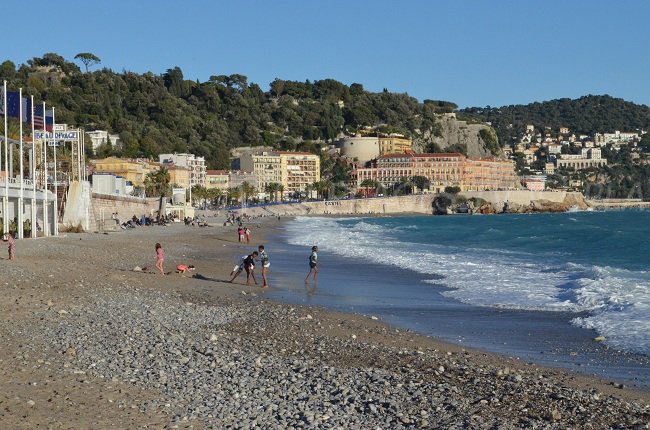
588, 157
103, 137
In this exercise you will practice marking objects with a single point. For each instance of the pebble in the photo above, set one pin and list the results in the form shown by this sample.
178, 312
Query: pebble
249, 366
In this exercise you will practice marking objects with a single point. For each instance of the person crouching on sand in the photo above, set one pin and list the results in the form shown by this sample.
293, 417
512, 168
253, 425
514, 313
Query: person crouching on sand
313, 264
249, 266
160, 258
11, 245
184, 268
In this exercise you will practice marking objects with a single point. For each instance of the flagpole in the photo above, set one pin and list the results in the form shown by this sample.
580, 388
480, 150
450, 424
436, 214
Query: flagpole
5, 200
21, 207
56, 181
33, 231
46, 218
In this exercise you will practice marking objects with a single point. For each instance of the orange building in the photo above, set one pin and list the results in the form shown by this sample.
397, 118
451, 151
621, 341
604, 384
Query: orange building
489, 174
442, 170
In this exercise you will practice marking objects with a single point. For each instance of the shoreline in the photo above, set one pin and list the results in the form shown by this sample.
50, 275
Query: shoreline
281, 334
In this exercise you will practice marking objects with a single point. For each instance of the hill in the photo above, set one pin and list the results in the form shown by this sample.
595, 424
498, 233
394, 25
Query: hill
584, 115
165, 113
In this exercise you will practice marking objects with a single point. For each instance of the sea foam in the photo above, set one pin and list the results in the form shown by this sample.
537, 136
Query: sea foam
617, 301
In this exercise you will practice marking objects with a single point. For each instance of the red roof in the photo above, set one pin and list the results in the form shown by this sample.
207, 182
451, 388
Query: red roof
425, 155
216, 172
294, 153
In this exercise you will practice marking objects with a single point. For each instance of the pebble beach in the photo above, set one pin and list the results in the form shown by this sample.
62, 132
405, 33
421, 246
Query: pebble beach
89, 343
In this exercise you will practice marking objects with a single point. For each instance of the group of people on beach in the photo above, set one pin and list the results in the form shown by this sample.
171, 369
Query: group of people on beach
247, 263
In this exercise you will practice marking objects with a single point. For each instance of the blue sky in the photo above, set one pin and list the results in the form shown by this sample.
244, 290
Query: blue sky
474, 53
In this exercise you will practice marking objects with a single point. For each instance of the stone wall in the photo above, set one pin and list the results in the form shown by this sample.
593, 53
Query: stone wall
420, 204
104, 205
539, 201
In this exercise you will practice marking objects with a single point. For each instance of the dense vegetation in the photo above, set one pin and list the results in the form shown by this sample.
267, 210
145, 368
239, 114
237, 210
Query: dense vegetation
585, 115
164, 113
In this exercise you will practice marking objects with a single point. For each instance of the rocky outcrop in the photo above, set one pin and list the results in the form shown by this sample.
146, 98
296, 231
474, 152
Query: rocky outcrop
456, 132
508, 202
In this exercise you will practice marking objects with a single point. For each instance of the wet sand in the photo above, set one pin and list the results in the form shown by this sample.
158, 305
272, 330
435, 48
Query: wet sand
56, 373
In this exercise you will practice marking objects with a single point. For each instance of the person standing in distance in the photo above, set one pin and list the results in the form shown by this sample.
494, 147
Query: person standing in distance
266, 263
313, 264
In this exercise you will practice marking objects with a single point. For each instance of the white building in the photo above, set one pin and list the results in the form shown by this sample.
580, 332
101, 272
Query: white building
104, 183
101, 137
196, 165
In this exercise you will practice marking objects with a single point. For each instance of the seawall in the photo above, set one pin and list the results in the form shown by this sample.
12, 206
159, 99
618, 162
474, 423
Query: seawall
104, 206
423, 204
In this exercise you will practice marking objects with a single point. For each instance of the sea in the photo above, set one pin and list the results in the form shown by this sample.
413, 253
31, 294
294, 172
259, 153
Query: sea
568, 290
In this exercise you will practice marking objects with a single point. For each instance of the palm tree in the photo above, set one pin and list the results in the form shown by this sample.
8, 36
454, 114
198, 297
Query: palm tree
369, 183
233, 194
215, 195
157, 182
272, 189
200, 193
247, 190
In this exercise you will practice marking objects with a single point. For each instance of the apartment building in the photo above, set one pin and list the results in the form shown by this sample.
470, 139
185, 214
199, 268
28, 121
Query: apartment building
179, 177
442, 170
193, 163
265, 166
134, 171
489, 174
217, 179
394, 144
293, 170
299, 169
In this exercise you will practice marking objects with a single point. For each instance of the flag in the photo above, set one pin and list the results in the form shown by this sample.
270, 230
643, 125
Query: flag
42, 122
13, 105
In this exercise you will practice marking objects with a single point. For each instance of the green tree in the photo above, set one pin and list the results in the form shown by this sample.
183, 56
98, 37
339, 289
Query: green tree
87, 59
273, 189
420, 182
157, 183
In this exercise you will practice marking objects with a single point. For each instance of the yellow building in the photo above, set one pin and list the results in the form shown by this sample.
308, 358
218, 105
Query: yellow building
293, 170
299, 169
266, 166
217, 179
134, 171
394, 144
179, 176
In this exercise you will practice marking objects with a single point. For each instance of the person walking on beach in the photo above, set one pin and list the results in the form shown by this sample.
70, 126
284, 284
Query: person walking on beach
160, 258
313, 264
240, 233
266, 263
249, 266
11, 245
247, 232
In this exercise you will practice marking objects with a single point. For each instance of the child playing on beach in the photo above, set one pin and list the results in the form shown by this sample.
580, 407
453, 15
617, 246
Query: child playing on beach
184, 268
240, 233
249, 266
11, 245
247, 232
266, 263
160, 258
313, 264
